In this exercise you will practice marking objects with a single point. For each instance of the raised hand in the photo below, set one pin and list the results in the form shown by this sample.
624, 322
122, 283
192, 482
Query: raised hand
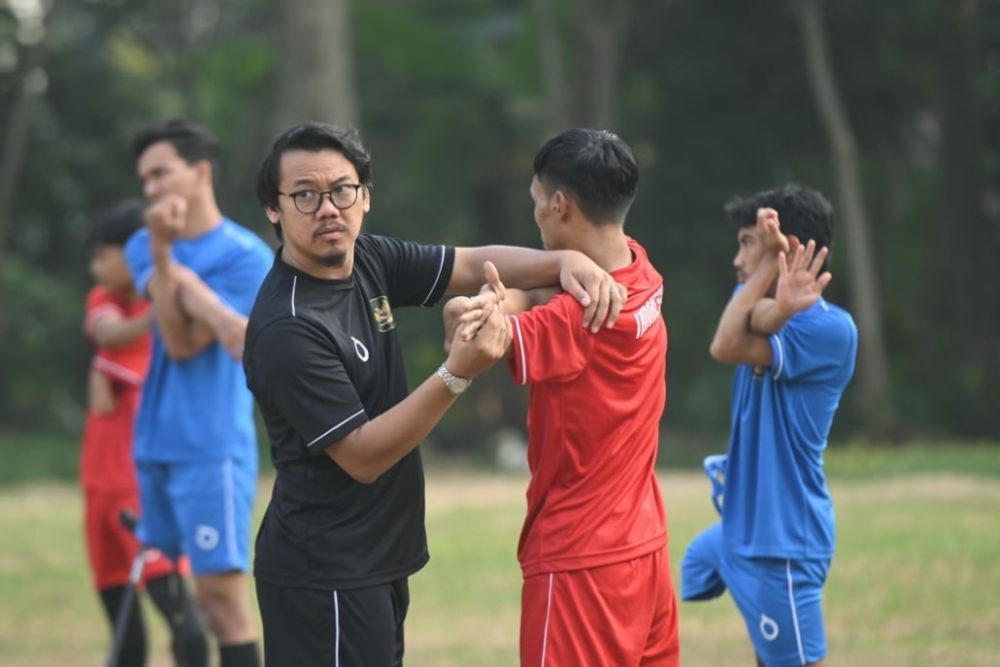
769, 232
602, 298
469, 358
799, 282
452, 313
473, 312
166, 218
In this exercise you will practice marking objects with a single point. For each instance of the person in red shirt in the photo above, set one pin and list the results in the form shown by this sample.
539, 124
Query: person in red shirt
117, 323
597, 587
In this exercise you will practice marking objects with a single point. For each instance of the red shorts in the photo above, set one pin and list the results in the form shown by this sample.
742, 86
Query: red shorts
112, 547
619, 614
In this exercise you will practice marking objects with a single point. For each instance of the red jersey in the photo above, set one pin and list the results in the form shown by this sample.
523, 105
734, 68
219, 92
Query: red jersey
593, 425
106, 460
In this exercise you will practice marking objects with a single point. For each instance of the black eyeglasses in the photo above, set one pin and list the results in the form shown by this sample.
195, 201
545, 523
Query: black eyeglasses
341, 196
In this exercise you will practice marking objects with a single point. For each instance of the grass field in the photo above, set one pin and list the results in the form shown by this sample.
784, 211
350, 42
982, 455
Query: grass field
915, 580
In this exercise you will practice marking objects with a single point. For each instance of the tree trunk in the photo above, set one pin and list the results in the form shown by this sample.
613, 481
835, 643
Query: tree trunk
318, 67
872, 367
966, 299
32, 84
553, 69
15, 139
600, 27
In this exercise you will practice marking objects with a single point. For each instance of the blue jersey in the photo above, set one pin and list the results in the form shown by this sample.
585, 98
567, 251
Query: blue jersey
777, 504
200, 409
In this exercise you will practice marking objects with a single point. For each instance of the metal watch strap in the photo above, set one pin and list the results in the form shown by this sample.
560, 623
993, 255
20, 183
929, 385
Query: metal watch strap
456, 385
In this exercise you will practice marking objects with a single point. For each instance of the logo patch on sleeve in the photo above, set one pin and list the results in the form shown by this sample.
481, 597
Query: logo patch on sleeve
383, 313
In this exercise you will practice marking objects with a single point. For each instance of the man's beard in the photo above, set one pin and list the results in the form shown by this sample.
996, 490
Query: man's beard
333, 261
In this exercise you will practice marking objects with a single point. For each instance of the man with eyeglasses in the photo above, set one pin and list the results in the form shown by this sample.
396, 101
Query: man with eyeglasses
195, 440
345, 526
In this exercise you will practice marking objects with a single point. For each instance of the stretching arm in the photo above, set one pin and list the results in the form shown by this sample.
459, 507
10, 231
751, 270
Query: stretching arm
183, 336
525, 268
114, 330
734, 342
374, 447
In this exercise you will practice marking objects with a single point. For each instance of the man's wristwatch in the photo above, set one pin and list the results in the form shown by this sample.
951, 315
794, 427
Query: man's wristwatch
455, 384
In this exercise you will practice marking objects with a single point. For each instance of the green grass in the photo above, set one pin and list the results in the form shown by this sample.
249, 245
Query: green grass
29, 457
914, 581
858, 460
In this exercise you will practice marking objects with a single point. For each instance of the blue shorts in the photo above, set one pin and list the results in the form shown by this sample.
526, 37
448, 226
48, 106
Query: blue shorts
780, 599
199, 509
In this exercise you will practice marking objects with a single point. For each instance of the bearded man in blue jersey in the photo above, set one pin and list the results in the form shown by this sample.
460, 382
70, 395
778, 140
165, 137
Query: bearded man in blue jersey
794, 354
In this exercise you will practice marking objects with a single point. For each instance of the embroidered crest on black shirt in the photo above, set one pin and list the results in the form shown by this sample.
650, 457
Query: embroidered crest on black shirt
383, 313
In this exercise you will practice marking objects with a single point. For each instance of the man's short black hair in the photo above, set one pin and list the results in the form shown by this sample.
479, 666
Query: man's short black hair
596, 167
802, 212
192, 142
114, 226
313, 137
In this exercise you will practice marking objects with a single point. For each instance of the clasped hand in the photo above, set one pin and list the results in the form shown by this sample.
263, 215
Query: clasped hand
166, 218
477, 333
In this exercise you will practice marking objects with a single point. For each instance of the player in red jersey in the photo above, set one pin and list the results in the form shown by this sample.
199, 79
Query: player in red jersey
597, 587
117, 323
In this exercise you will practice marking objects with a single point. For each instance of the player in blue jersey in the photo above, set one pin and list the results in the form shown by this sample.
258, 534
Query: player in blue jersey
195, 441
794, 354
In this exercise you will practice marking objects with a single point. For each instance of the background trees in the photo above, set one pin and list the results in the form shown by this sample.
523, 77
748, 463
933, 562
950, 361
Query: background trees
717, 97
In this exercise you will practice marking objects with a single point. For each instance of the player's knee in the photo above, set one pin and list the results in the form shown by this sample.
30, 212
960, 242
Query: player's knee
699, 580
215, 604
224, 602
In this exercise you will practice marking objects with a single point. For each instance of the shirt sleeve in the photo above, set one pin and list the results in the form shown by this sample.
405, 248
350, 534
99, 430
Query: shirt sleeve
238, 279
140, 260
810, 345
304, 381
99, 304
549, 342
417, 274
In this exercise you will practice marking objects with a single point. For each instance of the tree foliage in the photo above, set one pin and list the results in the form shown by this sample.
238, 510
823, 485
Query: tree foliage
455, 97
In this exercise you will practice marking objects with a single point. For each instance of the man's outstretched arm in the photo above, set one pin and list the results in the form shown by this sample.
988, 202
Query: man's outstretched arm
526, 269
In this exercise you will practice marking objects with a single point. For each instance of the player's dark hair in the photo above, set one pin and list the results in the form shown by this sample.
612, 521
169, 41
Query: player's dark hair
802, 212
115, 225
192, 142
597, 169
313, 137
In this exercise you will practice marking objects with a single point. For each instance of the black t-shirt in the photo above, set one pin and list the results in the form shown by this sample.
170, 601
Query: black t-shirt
322, 357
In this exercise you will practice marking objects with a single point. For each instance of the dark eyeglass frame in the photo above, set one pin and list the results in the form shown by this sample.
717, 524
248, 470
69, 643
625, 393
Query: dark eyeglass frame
294, 196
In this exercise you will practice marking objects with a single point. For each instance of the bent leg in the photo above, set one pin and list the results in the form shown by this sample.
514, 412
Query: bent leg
701, 569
